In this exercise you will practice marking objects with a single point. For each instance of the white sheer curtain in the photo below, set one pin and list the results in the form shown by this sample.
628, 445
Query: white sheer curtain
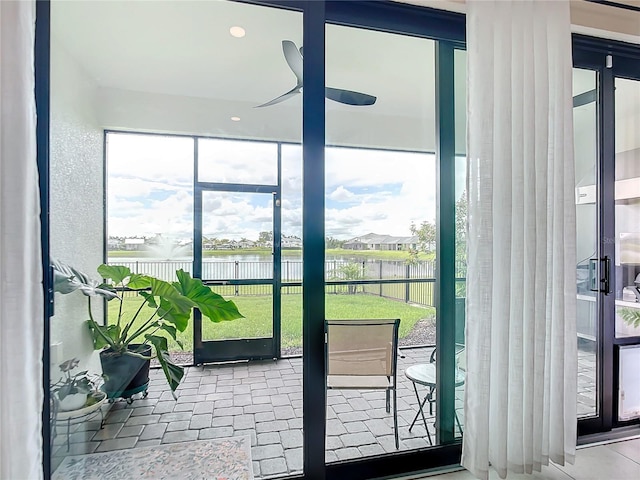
520, 391
21, 304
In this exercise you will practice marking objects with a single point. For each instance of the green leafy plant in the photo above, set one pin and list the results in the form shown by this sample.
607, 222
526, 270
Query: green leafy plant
171, 305
349, 271
631, 316
71, 384
67, 279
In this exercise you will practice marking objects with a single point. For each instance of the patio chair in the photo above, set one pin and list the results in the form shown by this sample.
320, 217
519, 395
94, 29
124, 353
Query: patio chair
362, 355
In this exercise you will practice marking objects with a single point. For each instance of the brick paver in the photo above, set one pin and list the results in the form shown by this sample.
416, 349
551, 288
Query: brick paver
264, 401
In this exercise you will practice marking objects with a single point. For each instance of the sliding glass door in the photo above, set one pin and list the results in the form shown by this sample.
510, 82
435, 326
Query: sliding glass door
380, 217
606, 122
626, 273
162, 156
358, 167
587, 162
394, 181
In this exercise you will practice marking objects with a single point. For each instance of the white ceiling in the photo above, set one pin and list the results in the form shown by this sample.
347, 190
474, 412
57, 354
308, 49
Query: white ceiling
172, 66
179, 47
184, 49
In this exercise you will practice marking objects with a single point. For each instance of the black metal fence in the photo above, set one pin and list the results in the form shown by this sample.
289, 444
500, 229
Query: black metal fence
343, 276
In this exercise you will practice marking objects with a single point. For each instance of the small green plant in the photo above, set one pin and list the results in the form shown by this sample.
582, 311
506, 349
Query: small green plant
631, 316
71, 384
349, 271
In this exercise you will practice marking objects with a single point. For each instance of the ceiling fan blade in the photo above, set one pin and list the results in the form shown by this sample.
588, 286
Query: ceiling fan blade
294, 91
293, 58
349, 97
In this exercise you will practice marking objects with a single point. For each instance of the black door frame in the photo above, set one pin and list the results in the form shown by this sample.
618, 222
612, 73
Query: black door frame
624, 68
449, 30
42, 58
609, 59
208, 351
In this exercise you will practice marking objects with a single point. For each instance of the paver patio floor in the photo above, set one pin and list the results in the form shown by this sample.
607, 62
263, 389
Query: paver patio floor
262, 400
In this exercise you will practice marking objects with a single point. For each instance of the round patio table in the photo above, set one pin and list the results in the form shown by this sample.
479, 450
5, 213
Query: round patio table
425, 374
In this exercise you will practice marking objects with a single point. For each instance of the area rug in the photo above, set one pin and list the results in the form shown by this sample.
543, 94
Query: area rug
219, 459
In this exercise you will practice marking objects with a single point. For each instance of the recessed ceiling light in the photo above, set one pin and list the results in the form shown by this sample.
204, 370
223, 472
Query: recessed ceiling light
237, 32
235, 119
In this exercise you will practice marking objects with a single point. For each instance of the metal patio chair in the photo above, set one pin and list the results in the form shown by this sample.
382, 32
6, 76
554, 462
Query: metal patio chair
362, 355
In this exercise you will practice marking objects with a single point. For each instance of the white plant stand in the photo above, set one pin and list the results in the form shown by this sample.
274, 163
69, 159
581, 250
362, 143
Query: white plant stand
72, 417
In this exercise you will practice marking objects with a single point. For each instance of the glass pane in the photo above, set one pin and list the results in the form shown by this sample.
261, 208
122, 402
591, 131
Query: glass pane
150, 203
291, 266
585, 121
629, 381
460, 100
150, 217
627, 207
232, 161
255, 302
160, 77
233, 228
380, 211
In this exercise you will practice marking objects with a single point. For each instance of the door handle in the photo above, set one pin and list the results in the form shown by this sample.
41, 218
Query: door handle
605, 281
604, 285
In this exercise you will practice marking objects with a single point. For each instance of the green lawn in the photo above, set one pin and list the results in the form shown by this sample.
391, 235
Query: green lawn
257, 311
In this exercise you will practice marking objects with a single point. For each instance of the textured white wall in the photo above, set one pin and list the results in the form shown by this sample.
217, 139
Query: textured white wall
77, 213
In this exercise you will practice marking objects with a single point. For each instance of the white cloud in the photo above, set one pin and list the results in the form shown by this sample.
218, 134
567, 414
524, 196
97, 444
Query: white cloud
364, 168
389, 217
233, 215
341, 194
152, 157
124, 187
119, 207
235, 161
371, 191
148, 225
177, 205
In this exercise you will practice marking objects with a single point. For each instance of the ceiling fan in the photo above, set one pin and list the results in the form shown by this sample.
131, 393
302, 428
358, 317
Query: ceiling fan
293, 56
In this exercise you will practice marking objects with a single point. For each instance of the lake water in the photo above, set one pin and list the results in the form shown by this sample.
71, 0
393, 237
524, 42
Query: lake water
256, 266
296, 256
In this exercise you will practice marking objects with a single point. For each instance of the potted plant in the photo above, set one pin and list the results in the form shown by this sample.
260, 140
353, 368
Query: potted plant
72, 390
631, 316
126, 344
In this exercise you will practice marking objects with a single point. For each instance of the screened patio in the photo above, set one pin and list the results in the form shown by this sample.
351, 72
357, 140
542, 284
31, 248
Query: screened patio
263, 400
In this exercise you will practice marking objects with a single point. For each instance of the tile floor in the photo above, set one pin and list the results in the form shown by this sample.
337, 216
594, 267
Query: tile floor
586, 383
612, 461
263, 400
